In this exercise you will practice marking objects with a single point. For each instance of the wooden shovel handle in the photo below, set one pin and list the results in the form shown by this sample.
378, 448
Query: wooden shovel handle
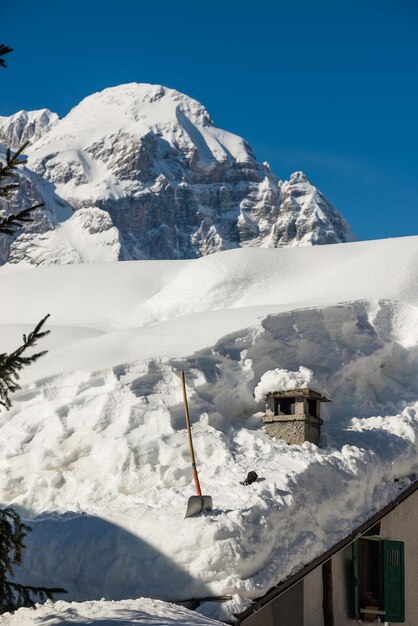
189, 433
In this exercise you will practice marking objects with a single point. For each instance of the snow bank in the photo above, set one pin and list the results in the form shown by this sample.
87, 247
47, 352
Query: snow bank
94, 451
142, 611
154, 309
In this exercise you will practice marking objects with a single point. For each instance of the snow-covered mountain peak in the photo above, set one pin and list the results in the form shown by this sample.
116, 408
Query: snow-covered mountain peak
173, 184
307, 217
138, 110
133, 99
298, 177
25, 126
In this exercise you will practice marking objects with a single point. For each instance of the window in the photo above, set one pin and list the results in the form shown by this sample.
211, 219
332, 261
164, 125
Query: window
285, 406
379, 580
312, 408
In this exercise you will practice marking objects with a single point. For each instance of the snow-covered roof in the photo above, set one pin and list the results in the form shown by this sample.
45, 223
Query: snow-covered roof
94, 451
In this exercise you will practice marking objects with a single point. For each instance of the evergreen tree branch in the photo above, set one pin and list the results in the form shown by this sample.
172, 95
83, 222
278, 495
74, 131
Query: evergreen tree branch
11, 364
14, 595
10, 223
12, 534
4, 50
7, 170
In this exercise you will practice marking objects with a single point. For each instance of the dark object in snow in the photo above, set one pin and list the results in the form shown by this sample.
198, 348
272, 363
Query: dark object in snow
251, 478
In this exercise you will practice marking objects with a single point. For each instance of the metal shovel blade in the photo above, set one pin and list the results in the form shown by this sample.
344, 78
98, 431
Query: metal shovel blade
197, 504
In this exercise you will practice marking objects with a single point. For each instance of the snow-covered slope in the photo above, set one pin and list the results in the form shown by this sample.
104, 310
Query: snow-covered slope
171, 183
94, 450
56, 233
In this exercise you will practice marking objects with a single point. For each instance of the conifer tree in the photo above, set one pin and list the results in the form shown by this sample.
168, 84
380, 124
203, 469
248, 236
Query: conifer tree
11, 364
12, 530
14, 595
8, 169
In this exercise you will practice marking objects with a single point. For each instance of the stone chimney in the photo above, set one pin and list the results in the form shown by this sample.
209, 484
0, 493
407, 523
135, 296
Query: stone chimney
294, 415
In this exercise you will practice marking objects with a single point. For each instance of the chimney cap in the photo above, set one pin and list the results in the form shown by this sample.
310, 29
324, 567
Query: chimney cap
303, 392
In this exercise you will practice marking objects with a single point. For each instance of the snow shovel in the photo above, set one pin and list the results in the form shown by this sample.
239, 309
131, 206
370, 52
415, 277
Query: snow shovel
199, 503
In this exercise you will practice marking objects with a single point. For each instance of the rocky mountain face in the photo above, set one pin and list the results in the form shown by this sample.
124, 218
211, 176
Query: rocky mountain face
26, 126
141, 172
306, 217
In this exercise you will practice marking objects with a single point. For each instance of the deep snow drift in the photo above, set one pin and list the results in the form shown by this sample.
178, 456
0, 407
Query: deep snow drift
94, 451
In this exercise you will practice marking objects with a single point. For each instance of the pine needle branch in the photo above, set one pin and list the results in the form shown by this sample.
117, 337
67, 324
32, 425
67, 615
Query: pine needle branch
11, 364
9, 224
4, 50
7, 170
14, 595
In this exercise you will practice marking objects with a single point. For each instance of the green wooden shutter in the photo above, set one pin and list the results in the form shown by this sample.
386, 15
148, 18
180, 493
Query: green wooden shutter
356, 580
394, 581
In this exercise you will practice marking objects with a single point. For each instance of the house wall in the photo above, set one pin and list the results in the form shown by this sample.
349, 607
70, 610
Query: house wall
402, 524
302, 604
312, 599
342, 592
286, 610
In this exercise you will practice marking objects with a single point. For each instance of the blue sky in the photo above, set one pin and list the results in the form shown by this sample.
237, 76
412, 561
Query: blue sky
330, 88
